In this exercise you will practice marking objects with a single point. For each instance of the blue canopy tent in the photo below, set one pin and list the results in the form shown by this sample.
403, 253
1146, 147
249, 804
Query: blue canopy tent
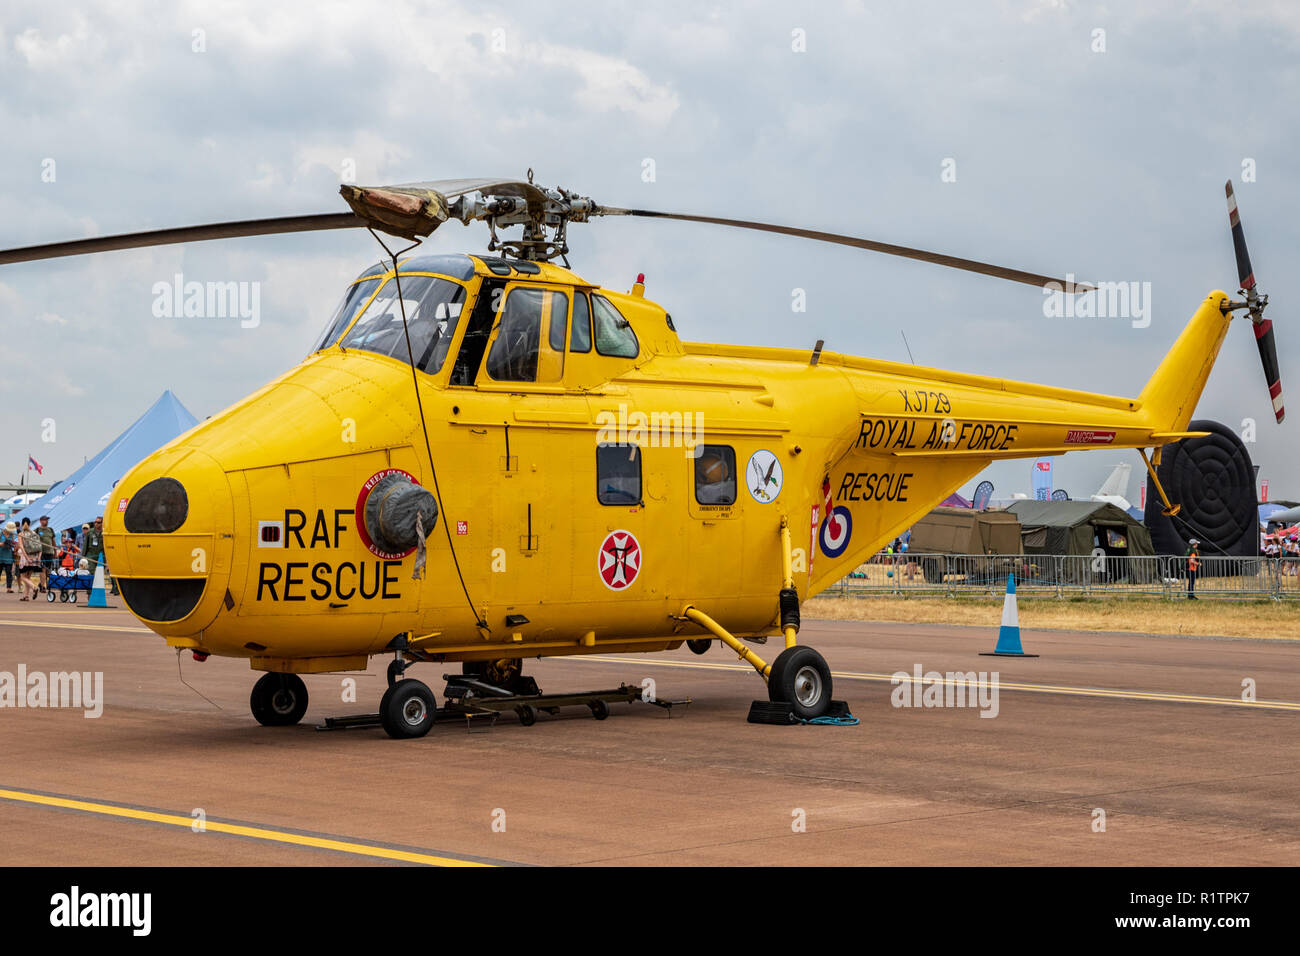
84, 494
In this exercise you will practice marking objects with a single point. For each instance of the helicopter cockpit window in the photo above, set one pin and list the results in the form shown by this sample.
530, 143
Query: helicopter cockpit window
357, 295
433, 306
715, 475
614, 336
618, 474
524, 350
580, 337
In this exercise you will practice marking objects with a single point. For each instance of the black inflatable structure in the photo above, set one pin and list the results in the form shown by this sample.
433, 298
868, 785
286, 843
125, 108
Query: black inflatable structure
1214, 481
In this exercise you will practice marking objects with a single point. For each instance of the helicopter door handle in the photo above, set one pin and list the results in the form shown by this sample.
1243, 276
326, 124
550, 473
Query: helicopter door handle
334, 606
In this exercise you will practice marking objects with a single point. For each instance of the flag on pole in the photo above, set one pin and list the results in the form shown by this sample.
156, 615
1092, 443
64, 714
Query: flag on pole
1042, 479
33, 463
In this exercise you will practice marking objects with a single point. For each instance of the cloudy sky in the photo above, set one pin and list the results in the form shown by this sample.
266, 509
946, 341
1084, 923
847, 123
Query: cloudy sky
1084, 138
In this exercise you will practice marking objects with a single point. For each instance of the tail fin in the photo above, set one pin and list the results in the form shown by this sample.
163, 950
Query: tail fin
1117, 484
1170, 397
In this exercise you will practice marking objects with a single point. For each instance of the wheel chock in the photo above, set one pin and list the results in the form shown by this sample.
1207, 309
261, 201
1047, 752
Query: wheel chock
781, 713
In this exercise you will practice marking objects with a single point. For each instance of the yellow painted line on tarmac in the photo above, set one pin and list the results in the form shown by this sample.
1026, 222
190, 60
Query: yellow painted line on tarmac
75, 627
233, 829
1002, 685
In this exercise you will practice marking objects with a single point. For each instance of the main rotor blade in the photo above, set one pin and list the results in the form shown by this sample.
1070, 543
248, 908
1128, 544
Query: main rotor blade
969, 265
164, 237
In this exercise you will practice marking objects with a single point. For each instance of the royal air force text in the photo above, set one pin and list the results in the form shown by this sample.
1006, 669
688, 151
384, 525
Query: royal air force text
892, 433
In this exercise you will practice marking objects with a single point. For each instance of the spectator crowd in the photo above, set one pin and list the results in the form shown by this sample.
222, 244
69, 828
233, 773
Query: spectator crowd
33, 555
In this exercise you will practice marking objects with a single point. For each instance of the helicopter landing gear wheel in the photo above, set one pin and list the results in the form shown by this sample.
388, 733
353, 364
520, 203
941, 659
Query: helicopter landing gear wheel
801, 678
278, 700
407, 709
699, 645
505, 673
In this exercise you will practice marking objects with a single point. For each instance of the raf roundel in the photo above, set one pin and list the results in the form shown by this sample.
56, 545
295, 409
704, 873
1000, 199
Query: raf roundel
619, 560
837, 528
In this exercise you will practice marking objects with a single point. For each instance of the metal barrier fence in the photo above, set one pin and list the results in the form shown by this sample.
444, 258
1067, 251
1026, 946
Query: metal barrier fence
1062, 576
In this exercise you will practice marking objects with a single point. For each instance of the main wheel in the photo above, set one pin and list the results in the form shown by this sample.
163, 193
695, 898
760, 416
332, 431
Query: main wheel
700, 645
800, 677
407, 709
278, 700
505, 673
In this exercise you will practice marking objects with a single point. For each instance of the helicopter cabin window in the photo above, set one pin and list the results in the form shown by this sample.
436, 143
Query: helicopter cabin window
580, 335
614, 336
618, 474
358, 294
525, 350
715, 475
432, 306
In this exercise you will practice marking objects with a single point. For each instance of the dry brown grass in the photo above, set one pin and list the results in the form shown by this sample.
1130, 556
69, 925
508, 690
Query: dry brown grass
1206, 618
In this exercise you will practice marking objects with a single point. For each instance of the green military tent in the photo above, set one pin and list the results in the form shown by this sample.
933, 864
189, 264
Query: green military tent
1077, 529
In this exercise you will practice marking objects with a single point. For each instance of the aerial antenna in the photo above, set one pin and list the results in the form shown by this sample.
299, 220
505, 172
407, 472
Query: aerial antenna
908, 347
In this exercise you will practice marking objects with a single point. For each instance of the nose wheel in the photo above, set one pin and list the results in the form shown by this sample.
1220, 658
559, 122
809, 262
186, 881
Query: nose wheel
278, 700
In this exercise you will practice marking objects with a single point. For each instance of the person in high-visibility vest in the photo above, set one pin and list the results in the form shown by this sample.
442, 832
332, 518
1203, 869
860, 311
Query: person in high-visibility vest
1193, 565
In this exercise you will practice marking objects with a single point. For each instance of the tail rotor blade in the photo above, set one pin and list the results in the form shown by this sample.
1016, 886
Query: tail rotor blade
1255, 304
1244, 271
1268, 358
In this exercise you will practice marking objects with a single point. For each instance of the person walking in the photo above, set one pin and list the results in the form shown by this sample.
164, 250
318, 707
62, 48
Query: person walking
29, 561
1193, 565
94, 550
48, 538
94, 546
8, 553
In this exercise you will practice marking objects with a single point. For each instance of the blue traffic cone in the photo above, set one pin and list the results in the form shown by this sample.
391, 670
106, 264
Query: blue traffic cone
1009, 633
97, 598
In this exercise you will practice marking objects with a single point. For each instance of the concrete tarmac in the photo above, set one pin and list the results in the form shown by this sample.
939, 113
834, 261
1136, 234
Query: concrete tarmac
1151, 731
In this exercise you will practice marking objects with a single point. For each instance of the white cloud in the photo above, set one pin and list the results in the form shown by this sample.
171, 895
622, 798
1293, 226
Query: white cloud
610, 84
61, 50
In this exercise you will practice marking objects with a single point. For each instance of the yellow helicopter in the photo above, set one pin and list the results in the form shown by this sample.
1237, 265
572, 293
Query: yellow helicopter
487, 458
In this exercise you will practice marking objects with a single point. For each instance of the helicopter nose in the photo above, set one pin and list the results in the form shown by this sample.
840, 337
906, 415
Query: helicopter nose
168, 540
